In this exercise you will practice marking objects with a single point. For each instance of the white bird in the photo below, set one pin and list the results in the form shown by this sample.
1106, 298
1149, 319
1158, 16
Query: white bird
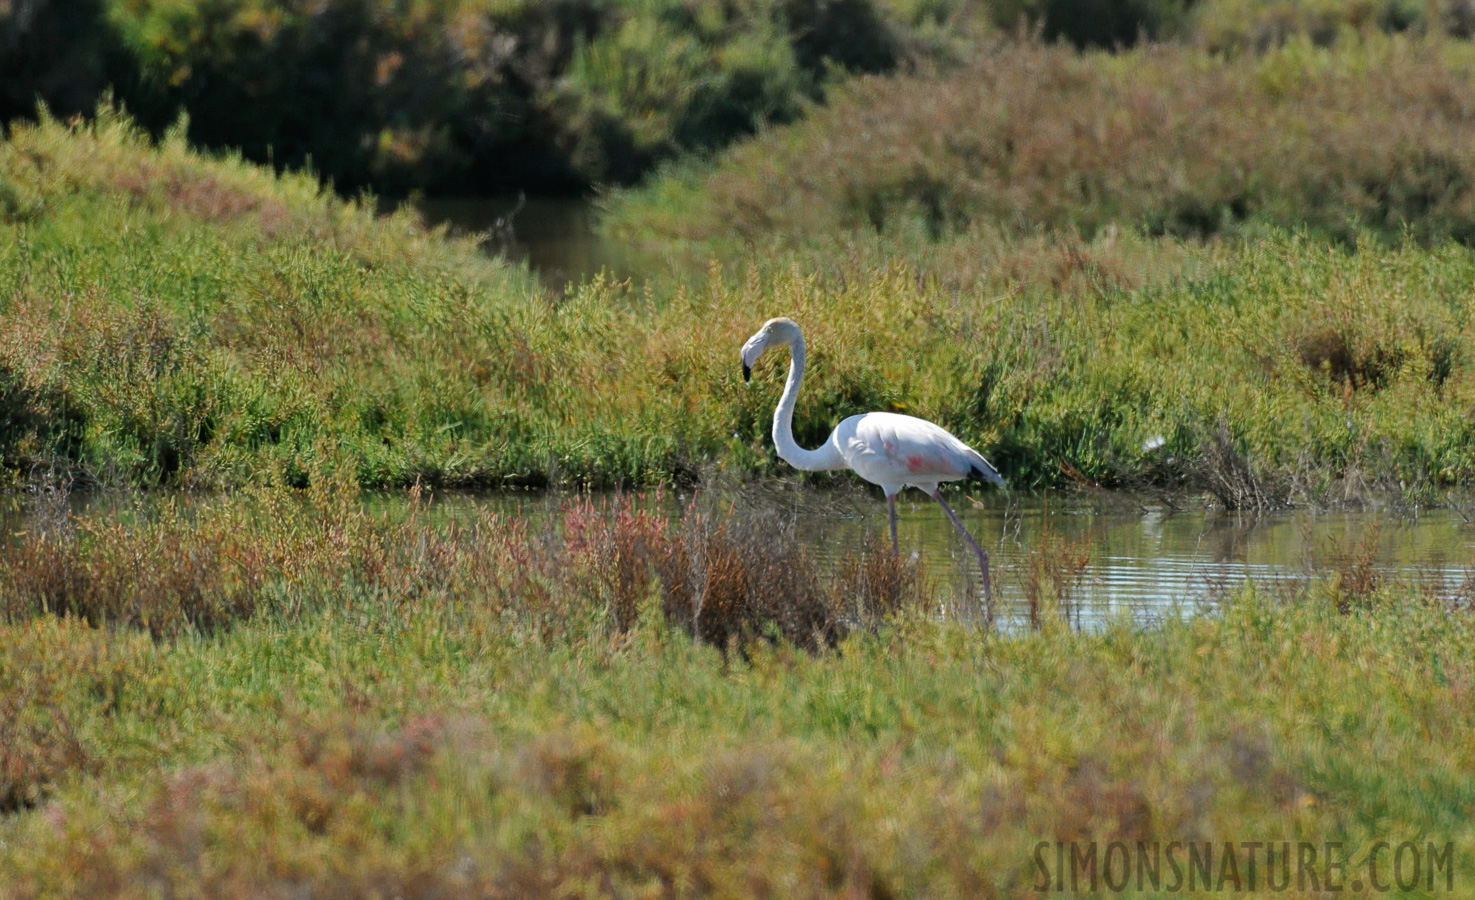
886, 449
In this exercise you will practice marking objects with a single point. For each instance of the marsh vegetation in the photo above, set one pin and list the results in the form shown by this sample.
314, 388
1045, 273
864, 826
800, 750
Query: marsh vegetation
1218, 253
203, 340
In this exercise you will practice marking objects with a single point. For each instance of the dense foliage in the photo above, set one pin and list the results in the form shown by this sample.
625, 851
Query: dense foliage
496, 95
466, 95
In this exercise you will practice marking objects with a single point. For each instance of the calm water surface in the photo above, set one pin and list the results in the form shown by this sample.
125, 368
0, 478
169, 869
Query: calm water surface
1143, 560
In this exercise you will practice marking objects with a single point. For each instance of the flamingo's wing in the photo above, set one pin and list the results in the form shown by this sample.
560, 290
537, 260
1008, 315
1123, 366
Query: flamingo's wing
892, 449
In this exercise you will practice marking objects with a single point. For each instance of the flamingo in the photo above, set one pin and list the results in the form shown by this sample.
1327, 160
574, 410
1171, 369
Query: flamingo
887, 449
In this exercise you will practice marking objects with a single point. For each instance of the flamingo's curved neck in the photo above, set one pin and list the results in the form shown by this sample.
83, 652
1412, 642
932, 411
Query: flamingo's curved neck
826, 457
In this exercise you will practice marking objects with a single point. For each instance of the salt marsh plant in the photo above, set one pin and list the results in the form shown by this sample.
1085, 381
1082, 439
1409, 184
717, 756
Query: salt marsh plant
727, 576
445, 737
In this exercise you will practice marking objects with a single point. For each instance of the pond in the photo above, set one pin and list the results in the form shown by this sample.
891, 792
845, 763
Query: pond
1104, 556
554, 235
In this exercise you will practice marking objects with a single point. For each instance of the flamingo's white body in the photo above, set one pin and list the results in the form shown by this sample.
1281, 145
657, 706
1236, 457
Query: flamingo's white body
887, 449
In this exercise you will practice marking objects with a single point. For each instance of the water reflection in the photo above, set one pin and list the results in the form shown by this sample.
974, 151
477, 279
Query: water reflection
1143, 562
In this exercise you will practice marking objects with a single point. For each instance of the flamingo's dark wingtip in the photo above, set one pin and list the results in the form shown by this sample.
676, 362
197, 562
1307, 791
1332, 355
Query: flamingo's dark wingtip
988, 474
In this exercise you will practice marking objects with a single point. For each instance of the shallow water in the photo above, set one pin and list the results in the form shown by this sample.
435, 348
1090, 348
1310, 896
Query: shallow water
1141, 559
1138, 558
554, 235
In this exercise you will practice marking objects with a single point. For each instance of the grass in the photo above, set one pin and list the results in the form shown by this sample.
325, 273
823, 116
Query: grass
420, 707
177, 320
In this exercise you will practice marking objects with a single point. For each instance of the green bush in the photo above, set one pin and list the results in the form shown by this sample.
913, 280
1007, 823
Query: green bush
650, 89
1095, 23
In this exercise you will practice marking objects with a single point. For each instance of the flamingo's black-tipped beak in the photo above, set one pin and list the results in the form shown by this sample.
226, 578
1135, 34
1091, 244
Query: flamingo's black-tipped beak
747, 373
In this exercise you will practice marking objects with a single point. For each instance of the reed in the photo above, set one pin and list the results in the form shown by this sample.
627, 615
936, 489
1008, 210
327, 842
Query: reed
728, 577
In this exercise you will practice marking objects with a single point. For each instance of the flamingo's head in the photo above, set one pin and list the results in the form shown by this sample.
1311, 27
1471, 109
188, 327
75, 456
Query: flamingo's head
774, 331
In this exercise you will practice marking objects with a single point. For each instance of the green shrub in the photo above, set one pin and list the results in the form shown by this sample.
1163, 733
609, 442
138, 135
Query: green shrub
650, 90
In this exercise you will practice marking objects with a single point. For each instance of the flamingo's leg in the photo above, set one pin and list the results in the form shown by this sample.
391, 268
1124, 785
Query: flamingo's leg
978, 551
891, 511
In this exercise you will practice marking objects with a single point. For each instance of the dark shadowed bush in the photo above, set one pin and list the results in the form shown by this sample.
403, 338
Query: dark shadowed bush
63, 53
465, 95
1095, 23
453, 95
